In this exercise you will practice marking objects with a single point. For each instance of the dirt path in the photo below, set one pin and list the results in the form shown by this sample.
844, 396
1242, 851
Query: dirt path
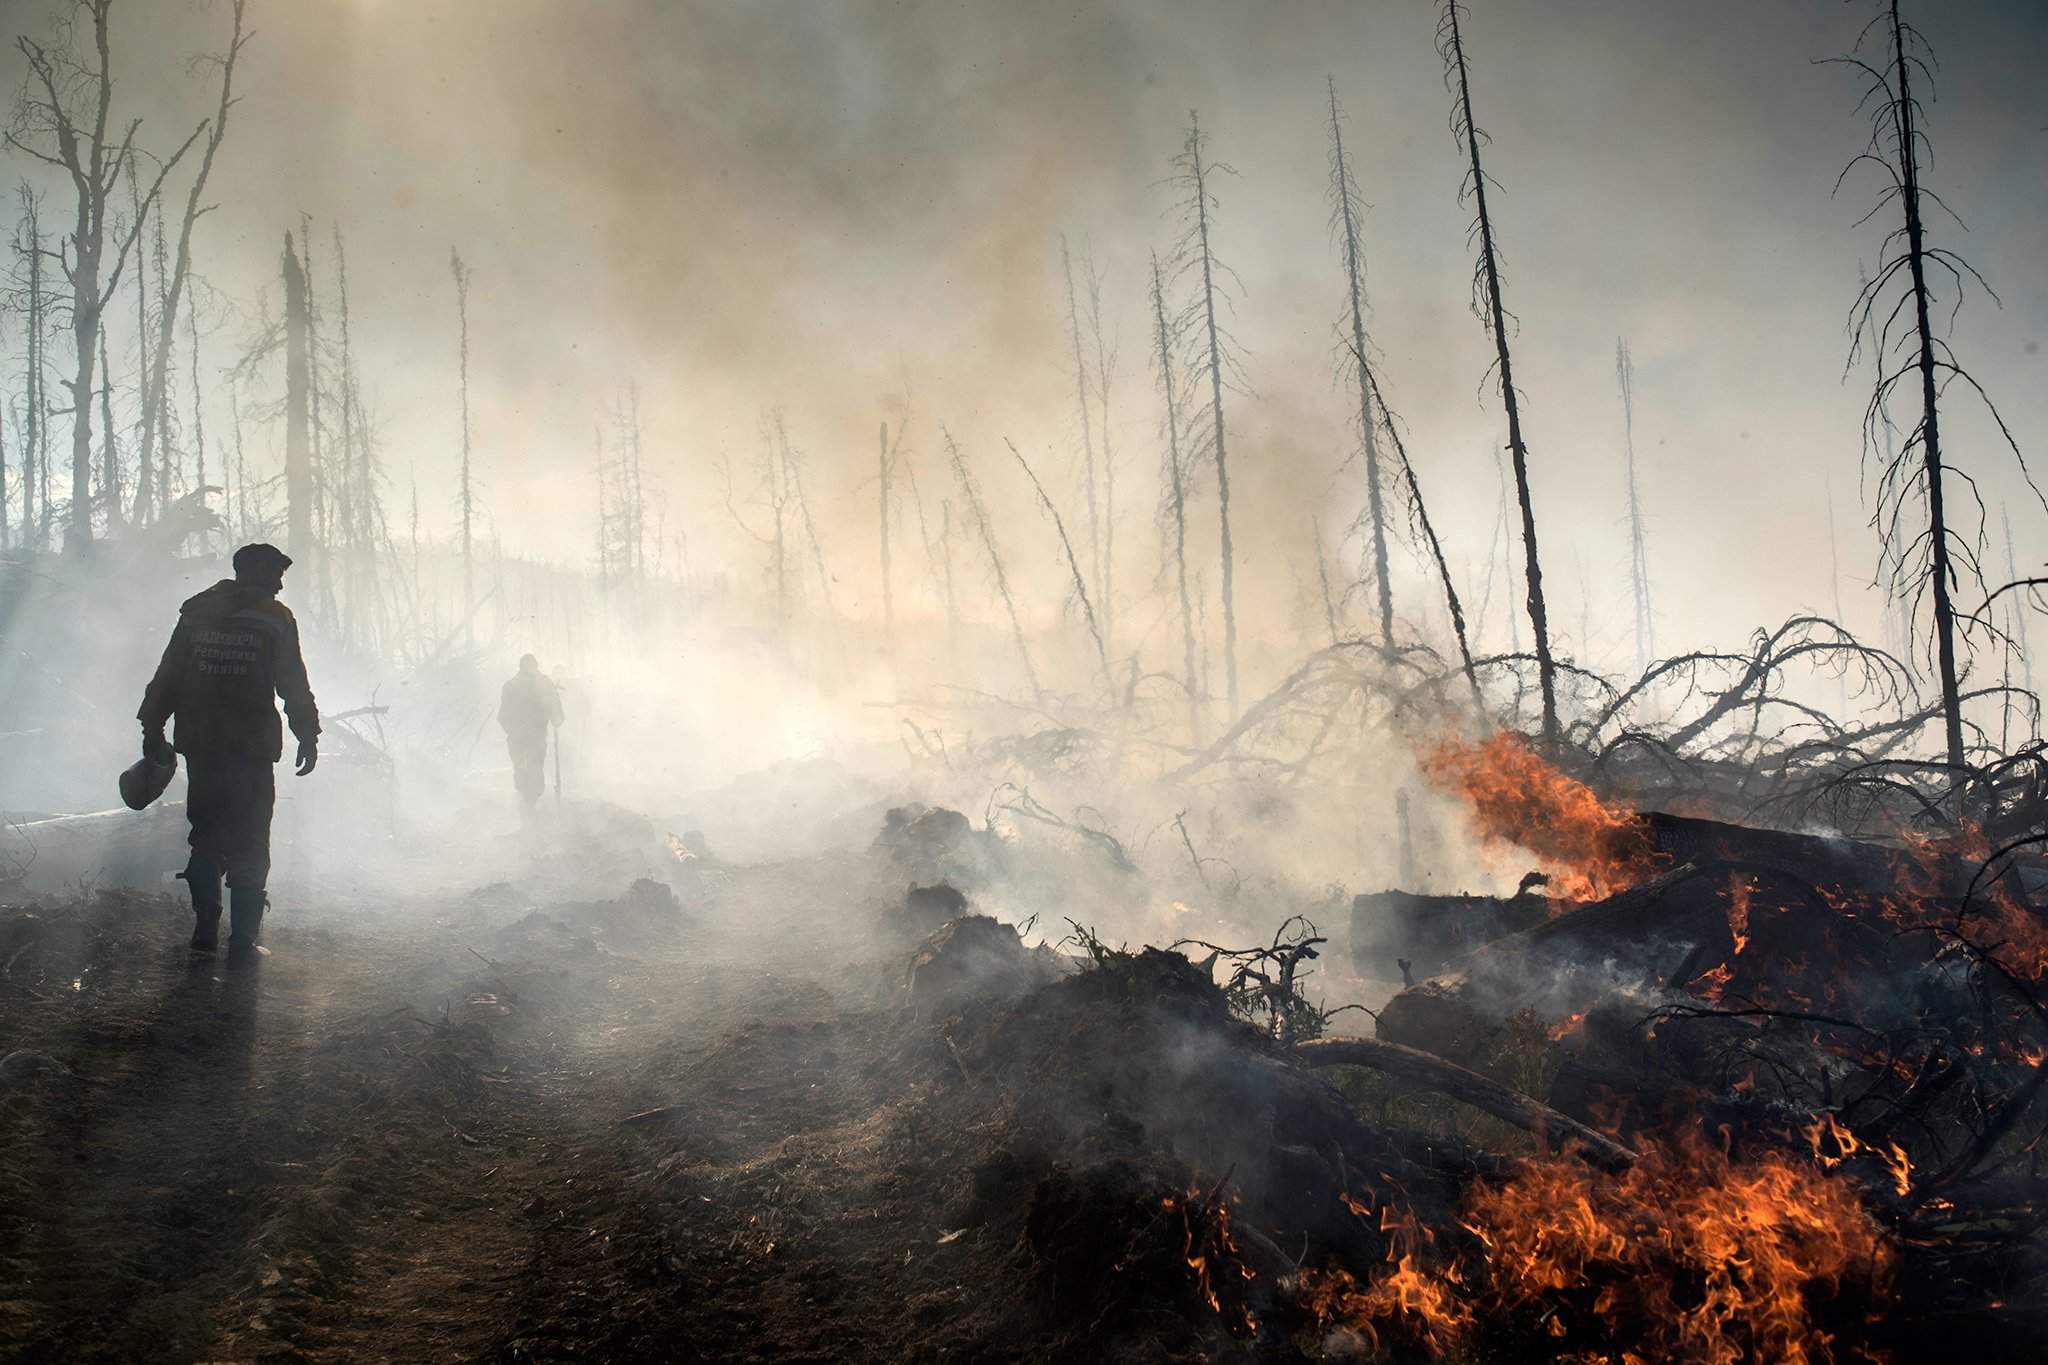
400, 1138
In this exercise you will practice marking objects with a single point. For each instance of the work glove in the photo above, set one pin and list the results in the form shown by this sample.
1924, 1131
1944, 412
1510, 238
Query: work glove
155, 747
309, 755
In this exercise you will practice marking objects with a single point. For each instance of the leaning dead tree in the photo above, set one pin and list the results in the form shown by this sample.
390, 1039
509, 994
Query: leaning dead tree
1192, 173
1073, 566
1486, 303
63, 121
1893, 322
971, 491
1345, 209
1418, 511
156, 375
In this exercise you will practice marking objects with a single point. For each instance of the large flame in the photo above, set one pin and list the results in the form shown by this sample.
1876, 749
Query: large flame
1588, 848
1689, 1255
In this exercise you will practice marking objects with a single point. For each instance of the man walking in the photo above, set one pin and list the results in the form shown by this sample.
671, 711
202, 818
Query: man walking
234, 651
528, 707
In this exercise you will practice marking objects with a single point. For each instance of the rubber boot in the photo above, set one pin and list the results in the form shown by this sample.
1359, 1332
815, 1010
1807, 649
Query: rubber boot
202, 878
245, 922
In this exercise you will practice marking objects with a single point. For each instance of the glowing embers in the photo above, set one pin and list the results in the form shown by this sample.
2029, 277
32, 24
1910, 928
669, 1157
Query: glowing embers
1589, 849
1688, 1255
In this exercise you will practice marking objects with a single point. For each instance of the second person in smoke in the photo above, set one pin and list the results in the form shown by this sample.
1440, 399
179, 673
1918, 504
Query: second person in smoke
528, 707
234, 652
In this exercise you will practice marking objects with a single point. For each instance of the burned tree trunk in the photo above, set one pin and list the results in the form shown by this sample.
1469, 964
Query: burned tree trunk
35, 455
1344, 194
93, 161
1073, 567
155, 391
1177, 502
882, 481
1904, 352
1493, 314
1195, 171
971, 491
1939, 575
1436, 549
1088, 472
461, 274
1638, 553
298, 464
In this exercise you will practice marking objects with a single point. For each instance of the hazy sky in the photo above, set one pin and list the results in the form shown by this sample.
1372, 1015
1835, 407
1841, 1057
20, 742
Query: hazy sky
821, 206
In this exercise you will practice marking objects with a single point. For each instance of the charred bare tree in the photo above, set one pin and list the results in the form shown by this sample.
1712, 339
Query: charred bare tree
970, 490
1420, 512
157, 366
1073, 566
1104, 360
1192, 172
461, 273
1893, 319
1088, 471
35, 442
793, 484
1638, 553
1493, 315
883, 471
81, 146
1345, 209
1176, 491
110, 454
298, 461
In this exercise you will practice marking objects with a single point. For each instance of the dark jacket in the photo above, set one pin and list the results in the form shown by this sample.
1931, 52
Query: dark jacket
235, 649
528, 705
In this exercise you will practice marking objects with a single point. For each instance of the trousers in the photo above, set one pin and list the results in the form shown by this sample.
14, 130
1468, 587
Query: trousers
229, 797
529, 750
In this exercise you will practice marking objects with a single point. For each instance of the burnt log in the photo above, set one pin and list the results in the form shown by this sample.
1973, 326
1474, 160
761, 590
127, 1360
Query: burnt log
1428, 932
1643, 937
1430, 1072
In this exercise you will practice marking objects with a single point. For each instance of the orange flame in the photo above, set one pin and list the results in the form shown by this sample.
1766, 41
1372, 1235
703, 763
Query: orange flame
1699, 1257
1589, 849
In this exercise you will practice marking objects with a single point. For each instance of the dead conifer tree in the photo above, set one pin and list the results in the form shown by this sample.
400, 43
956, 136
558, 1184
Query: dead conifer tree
68, 105
1088, 471
461, 273
1493, 315
1638, 552
971, 491
1346, 207
1193, 171
1104, 358
110, 454
1176, 509
154, 396
793, 483
882, 472
298, 462
1893, 321
35, 444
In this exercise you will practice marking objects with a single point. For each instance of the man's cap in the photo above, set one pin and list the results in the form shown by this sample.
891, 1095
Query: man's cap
251, 560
